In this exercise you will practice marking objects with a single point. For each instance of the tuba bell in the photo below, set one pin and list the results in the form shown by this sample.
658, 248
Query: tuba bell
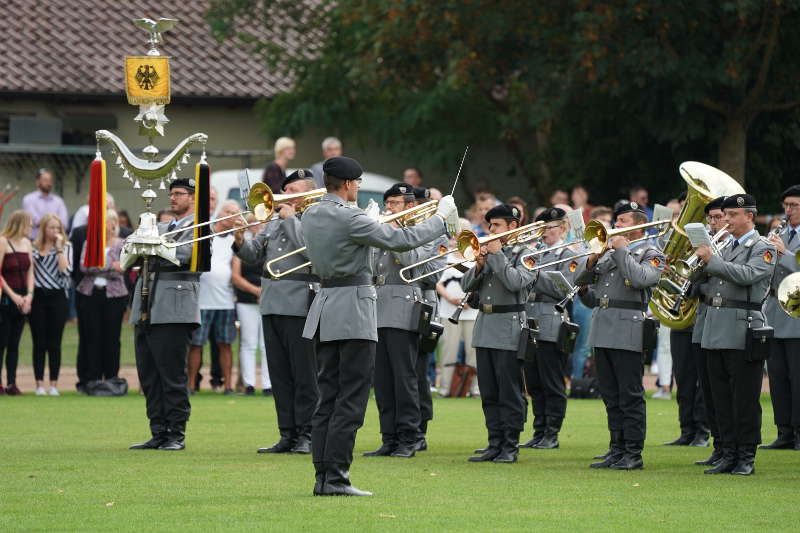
704, 184
789, 293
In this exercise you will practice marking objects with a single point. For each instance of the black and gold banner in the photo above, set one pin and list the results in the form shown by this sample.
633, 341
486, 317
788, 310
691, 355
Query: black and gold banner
147, 80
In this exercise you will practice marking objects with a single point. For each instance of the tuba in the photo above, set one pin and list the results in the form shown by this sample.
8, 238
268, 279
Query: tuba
705, 183
789, 293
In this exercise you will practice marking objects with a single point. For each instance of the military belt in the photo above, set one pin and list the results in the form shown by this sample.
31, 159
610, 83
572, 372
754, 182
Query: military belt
490, 308
175, 276
719, 301
605, 303
346, 281
309, 278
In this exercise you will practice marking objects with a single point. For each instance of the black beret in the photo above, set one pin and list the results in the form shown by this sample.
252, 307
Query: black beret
682, 196
344, 168
716, 203
400, 189
504, 211
297, 175
421, 193
739, 201
551, 214
794, 190
628, 207
186, 183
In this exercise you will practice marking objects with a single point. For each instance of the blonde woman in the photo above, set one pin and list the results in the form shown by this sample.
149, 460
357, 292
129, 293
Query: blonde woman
105, 306
275, 172
16, 275
52, 267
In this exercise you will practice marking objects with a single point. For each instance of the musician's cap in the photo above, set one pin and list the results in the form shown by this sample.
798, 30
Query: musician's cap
344, 168
297, 175
739, 201
551, 215
716, 203
185, 183
421, 194
628, 207
794, 190
400, 189
503, 211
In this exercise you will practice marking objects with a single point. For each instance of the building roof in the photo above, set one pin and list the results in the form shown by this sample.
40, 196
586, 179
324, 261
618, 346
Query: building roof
77, 47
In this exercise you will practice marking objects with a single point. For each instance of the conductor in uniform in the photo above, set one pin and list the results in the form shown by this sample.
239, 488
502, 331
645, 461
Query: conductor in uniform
738, 280
284, 306
546, 365
502, 283
343, 315
618, 286
783, 365
161, 340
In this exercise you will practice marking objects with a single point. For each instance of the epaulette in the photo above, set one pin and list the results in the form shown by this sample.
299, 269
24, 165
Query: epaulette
750, 242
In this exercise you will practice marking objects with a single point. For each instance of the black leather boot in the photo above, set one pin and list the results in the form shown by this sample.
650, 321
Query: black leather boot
386, 448
491, 451
550, 439
604, 456
632, 458
337, 482
785, 440
509, 450
537, 437
684, 440
716, 456
406, 446
615, 452
746, 459
303, 442
320, 470
701, 437
284, 445
176, 438
159, 437
422, 442
727, 463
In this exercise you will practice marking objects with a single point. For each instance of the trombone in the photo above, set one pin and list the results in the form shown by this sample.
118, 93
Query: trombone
261, 202
469, 245
597, 239
409, 217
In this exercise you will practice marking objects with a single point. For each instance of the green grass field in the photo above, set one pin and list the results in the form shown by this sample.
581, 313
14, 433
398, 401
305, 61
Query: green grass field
65, 467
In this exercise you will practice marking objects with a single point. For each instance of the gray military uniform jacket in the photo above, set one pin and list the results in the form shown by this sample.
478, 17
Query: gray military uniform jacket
283, 296
544, 294
786, 327
502, 281
748, 265
626, 275
171, 301
339, 237
396, 298
700, 290
428, 285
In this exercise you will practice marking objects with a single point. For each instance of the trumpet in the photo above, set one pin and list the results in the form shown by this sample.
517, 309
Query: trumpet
688, 266
597, 239
469, 245
261, 202
409, 217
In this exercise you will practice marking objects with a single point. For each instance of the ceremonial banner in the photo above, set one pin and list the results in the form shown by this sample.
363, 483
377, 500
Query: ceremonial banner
147, 80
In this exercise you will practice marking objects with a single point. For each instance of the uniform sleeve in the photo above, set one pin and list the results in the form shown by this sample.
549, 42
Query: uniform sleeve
254, 251
789, 260
588, 298
513, 277
642, 274
758, 267
364, 230
471, 280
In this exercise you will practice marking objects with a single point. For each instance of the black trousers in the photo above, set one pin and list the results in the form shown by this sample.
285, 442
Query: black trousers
395, 381
292, 370
48, 316
544, 379
500, 381
691, 407
345, 368
620, 373
701, 360
12, 322
103, 316
424, 387
736, 389
161, 351
783, 368
81, 361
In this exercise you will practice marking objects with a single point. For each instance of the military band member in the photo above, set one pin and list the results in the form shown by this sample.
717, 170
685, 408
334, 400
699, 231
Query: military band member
618, 286
162, 341
395, 382
544, 373
284, 306
738, 280
343, 314
502, 283
783, 365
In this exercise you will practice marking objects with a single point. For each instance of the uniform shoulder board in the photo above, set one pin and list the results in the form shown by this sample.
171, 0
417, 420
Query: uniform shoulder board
750, 242
516, 248
559, 252
764, 239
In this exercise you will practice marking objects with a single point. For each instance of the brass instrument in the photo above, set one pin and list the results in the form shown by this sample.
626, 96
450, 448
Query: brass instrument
704, 183
597, 239
262, 203
469, 245
409, 217
686, 268
789, 293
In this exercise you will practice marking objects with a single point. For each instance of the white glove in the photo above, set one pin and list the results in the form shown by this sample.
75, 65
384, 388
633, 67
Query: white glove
449, 212
373, 210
